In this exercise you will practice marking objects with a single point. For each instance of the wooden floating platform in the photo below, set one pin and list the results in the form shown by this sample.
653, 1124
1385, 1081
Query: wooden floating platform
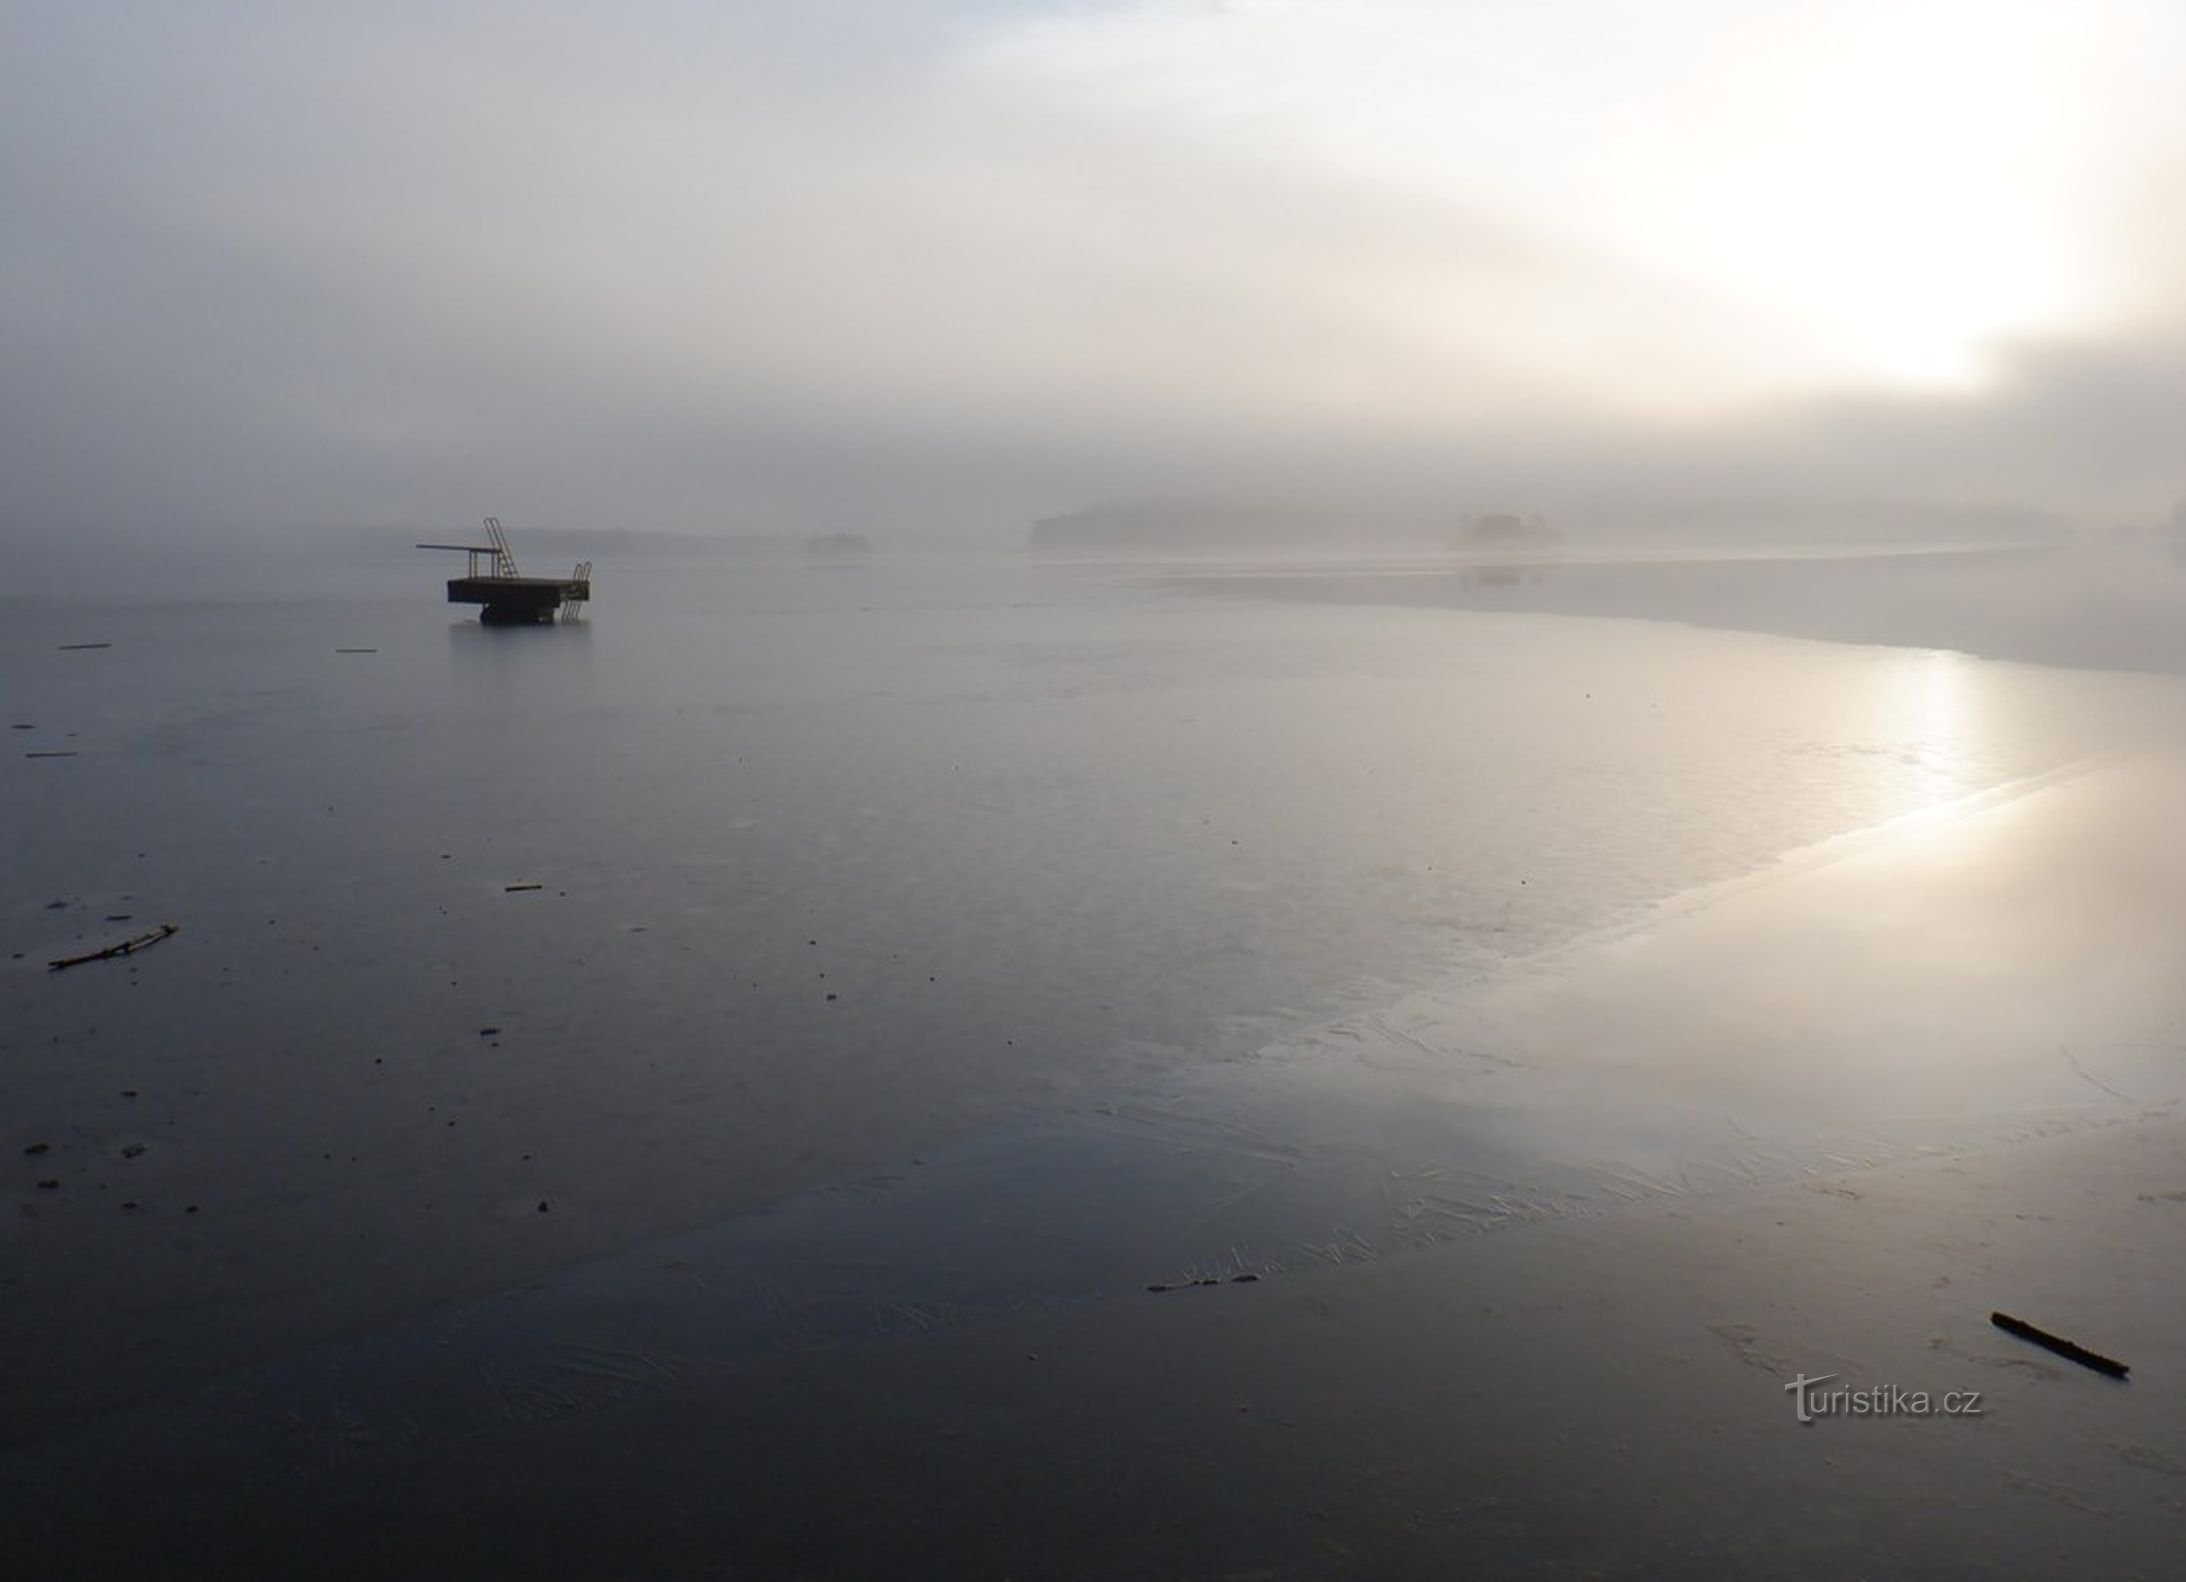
490, 580
518, 599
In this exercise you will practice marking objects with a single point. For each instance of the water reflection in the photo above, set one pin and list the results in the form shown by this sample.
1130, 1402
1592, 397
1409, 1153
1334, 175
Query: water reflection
490, 638
529, 662
1506, 574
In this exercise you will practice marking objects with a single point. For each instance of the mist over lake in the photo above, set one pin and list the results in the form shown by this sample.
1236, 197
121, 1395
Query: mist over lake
1275, 790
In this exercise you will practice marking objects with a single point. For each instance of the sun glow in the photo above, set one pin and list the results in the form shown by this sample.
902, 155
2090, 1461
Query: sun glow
1899, 192
1893, 188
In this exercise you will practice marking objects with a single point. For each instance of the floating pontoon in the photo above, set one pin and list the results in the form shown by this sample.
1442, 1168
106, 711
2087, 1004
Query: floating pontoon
490, 580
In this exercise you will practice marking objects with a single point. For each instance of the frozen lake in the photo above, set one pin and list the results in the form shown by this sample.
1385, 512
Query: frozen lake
1045, 907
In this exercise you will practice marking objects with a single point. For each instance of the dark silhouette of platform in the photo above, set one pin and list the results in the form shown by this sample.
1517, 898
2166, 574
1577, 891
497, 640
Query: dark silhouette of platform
504, 597
512, 599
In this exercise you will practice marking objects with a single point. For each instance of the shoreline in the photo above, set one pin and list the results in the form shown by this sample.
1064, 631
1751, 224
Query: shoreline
2083, 607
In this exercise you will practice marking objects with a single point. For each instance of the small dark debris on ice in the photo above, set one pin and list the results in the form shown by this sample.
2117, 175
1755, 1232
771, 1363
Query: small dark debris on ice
2057, 1343
126, 947
1184, 1285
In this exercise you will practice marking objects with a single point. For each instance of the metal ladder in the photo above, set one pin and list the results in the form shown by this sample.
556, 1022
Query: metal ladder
504, 561
573, 605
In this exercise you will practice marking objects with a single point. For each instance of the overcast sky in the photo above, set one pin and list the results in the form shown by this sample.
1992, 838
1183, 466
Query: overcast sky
844, 263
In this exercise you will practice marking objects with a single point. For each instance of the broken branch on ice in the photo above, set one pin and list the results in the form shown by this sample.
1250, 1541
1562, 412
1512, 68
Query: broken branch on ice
126, 947
2060, 1345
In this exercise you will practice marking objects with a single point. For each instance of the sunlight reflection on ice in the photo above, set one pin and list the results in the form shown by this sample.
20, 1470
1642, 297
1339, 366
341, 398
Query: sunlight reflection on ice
1930, 712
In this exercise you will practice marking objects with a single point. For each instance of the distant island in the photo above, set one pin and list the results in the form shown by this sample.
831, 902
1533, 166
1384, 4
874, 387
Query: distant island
1199, 525
1502, 549
839, 546
1418, 523
1503, 530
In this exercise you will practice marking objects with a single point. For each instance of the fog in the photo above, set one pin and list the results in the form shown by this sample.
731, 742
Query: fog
1284, 781
942, 270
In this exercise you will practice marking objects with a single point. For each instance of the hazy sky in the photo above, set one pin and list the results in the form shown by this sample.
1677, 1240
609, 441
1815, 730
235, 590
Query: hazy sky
712, 266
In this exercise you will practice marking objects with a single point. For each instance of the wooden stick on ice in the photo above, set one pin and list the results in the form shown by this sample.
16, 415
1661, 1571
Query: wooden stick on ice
2058, 1344
122, 949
